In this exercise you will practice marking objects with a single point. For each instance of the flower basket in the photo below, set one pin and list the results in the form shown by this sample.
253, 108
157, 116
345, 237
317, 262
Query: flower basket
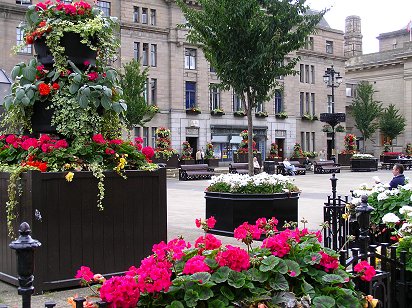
239, 113
193, 111
261, 114
217, 112
73, 231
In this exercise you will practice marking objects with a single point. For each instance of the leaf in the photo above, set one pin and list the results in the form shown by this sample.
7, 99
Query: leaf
202, 277
256, 275
204, 293
221, 275
283, 298
313, 258
29, 73
117, 107
25, 101
20, 93
77, 79
269, 263
8, 101
74, 67
73, 88
30, 94
176, 304
293, 267
15, 72
308, 289
236, 279
332, 278
279, 282
216, 304
324, 302
281, 267
83, 101
106, 103
191, 298
34, 17
86, 91
227, 292
209, 262
56, 76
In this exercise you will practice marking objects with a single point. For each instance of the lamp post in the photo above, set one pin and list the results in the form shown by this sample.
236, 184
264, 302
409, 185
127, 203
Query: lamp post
333, 80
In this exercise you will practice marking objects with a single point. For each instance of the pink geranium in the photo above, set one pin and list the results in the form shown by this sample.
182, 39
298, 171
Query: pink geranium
208, 242
328, 262
233, 257
365, 270
148, 152
28, 143
85, 274
120, 292
247, 233
98, 138
195, 265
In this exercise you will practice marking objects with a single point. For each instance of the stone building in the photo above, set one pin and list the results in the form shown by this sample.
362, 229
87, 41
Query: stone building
180, 78
390, 72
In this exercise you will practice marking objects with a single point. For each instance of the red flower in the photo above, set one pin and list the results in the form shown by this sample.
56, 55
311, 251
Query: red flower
11, 139
29, 39
41, 6
116, 141
84, 273
138, 140
365, 270
328, 262
44, 89
92, 76
109, 151
44, 138
86, 63
31, 142
233, 257
56, 86
98, 138
148, 152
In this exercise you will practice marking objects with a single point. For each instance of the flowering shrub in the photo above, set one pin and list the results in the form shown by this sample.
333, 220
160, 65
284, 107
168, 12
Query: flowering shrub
297, 151
209, 151
350, 144
392, 153
186, 151
273, 152
163, 144
261, 183
243, 146
289, 266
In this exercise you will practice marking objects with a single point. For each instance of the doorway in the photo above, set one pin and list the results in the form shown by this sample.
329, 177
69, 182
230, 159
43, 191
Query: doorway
329, 149
281, 146
193, 143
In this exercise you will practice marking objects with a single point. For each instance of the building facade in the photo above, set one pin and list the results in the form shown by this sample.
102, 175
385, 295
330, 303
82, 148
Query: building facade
180, 79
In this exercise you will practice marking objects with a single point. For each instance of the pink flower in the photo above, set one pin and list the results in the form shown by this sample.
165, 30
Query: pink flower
11, 139
120, 291
132, 271
246, 233
208, 242
278, 244
196, 265
109, 151
365, 270
211, 221
98, 138
198, 222
116, 141
154, 275
92, 76
86, 63
28, 143
148, 152
138, 140
328, 262
61, 144
84, 273
233, 257
44, 138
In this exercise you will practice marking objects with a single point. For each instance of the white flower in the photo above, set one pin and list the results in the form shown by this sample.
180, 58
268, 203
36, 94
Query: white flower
382, 196
405, 209
405, 230
356, 201
390, 218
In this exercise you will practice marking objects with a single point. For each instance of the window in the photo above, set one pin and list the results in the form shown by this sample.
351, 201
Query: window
145, 55
312, 74
307, 74
302, 73
190, 94
136, 14
302, 102
20, 40
153, 17
154, 137
153, 55
307, 147
329, 47
136, 50
311, 43
330, 104
214, 97
190, 59
146, 91
307, 102
144, 15
153, 91
237, 102
302, 140
259, 107
313, 141
278, 101
23, 2
145, 136
137, 132
312, 102
105, 7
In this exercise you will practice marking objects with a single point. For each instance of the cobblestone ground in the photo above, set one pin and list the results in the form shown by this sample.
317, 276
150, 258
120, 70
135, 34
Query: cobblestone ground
186, 203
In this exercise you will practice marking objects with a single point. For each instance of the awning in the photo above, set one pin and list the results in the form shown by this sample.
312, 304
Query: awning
236, 139
220, 139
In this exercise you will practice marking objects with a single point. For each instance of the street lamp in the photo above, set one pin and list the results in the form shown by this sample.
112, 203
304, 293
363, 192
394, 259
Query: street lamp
333, 80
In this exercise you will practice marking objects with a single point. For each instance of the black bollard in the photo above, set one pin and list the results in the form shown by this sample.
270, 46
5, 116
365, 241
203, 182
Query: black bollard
79, 302
50, 304
102, 304
25, 247
363, 216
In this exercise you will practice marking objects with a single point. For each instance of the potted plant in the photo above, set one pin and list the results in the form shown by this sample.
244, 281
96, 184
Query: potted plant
350, 149
363, 162
211, 160
164, 153
217, 112
327, 128
281, 115
193, 110
309, 117
186, 157
298, 154
239, 113
241, 155
261, 114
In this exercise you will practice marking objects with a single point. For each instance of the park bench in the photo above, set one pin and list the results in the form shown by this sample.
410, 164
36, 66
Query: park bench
241, 168
386, 166
326, 166
195, 172
299, 168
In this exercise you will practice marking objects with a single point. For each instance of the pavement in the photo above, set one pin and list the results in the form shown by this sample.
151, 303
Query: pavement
186, 203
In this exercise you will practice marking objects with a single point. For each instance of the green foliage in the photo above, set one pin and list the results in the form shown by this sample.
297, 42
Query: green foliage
365, 110
134, 83
391, 123
406, 245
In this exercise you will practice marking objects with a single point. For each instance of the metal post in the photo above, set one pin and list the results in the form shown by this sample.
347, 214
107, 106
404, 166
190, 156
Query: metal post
335, 217
50, 304
363, 215
79, 302
25, 247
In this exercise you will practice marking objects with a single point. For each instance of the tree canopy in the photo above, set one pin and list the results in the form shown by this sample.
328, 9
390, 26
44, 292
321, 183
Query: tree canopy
391, 123
249, 43
365, 111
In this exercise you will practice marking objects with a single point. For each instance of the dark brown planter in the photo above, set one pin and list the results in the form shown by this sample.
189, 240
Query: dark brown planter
41, 118
364, 164
212, 162
74, 232
276, 160
301, 160
239, 115
243, 157
186, 162
232, 210
172, 162
193, 112
388, 158
344, 159
75, 51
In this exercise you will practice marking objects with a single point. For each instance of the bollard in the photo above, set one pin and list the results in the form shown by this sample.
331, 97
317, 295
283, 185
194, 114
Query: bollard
363, 216
79, 302
50, 304
25, 247
102, 304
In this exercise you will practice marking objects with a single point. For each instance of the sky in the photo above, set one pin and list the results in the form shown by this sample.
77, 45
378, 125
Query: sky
377, 16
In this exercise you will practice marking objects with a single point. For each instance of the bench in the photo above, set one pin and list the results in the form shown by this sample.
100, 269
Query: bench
195, 172
387, 166
325, 166
299, 169
241, 168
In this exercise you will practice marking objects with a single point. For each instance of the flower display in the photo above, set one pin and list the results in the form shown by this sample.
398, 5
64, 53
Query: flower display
163, 144
209, 153
297, 151
350, 144
273, 152
243, 146
186, 151
292, 262
408, 149
362, 156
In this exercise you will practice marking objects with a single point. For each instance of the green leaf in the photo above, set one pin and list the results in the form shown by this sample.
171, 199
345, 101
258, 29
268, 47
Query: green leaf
176, 304
236, 279
313, 258
209, 262
269, 263
25, 101
293, 267
74, 67
86, 91
332, 278
15, 72
221, 274
30, 94
83, 101
29, 73
281, 267
324, 302
256, 275
20, 93
117, 107
56, 75
8, 101
73, 88
216, 304
308, 289
279, 282
34, 17
106, 103
107, 91
77, 79
283, 297
202, 277
227, 292
204, 293
191, 298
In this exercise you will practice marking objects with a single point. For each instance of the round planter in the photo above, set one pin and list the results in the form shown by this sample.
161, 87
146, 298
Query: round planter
232, 210
364, 164
75, 51
41, 118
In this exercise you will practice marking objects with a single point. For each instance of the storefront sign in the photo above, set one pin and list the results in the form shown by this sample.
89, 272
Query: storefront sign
280, 133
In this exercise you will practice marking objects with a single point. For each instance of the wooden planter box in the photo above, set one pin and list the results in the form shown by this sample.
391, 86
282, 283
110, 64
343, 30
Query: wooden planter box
243, 158
212, 162
231, 210
72, 230
186, 162
172, 162
344, 159
364, 164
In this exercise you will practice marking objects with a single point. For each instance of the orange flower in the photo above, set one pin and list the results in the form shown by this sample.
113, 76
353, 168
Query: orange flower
44, 89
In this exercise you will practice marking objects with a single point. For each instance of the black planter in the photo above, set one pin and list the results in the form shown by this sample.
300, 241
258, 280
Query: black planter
344, 159
172, 162
75, 51
41, 118
212, 162
364, 164
243, 158
231, 210
186, 162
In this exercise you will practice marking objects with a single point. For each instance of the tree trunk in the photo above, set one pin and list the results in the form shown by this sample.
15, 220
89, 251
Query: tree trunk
250, 134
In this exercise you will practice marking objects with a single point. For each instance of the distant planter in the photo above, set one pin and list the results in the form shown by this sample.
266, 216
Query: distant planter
243, 157
370, 164
309, 117
281, 115
239, 113
387, 158
186, 162
212, 162
193, 110
172, 162
232, 210
261, 114
276, 160
217, 112
344, 159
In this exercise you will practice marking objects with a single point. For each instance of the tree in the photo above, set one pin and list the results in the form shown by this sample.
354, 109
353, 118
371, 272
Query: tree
134, 83
365, 111
246, 42
391, 123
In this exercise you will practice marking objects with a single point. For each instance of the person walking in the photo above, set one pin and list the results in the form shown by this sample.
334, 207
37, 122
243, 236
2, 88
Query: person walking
202, 156
198, 157
256, 166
